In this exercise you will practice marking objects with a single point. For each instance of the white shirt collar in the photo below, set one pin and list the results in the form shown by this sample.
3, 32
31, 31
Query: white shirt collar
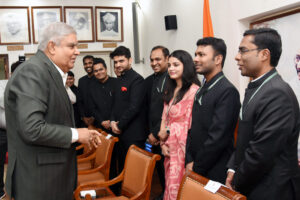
63, 75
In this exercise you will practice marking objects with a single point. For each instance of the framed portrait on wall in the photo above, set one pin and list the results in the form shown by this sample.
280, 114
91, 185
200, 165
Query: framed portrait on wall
14, 25
81, 19
109, 24
41, 17
286, 24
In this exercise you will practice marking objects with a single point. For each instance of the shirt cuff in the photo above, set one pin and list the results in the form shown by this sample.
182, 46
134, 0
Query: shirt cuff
74, 135
231, 170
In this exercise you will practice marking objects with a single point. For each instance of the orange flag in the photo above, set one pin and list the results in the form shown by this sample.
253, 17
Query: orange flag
207, 24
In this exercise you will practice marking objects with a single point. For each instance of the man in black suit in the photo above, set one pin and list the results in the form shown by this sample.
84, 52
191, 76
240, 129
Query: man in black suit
215, 113
39, 115
101, 95
264, 165
128, 118
84, 89
155, 85
102, 92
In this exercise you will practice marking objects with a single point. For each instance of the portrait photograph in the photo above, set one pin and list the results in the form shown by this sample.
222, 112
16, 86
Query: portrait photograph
14, 25
41, 17
81, 19
109, 24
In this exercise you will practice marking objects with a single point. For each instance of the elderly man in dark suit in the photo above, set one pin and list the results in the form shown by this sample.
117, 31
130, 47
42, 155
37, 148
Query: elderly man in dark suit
39, 115
264, 165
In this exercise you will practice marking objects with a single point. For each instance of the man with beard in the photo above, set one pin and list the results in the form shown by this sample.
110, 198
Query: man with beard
128, 119
155, 85
215, 113
84, 88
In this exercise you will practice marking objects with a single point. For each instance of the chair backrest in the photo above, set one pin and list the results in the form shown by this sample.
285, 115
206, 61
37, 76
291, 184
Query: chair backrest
104, 153
138, 171
192, 186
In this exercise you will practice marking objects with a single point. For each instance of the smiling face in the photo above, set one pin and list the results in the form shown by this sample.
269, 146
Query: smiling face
88, 65
100, 72
175, 68
159, 62
70, 81
121, 63
64, 54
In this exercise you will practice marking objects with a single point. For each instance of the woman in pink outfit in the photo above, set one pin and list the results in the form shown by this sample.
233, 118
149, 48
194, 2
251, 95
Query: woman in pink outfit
181, 87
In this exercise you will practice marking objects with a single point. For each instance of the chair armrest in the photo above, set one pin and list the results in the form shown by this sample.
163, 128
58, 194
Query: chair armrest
89, 171
89, 158
97, 184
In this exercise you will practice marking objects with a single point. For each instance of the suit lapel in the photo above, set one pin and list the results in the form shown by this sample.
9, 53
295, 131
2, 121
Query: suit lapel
57, 79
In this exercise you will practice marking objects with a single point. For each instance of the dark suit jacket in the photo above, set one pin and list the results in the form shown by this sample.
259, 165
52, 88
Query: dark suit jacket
266, 153
83, 95
101, 100
129, 108
210, 140
155, 86
39, 114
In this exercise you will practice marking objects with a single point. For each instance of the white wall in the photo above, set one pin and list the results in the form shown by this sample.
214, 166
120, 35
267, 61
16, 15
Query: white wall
230, 19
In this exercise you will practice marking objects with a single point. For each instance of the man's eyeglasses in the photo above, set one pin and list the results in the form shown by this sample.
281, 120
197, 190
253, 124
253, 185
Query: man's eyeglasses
243, 51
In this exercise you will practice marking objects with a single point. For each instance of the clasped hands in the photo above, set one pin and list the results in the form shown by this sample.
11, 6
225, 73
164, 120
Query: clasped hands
163, 136
114, 127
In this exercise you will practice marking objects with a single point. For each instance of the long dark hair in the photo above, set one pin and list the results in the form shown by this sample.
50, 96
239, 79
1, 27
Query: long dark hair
189, 76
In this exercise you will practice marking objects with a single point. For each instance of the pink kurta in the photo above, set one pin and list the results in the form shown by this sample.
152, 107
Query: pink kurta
179, 122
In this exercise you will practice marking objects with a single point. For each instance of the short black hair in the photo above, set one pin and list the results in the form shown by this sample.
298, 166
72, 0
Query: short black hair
165, 50
87, 57
120, 51
70, 73
99, 60
14, 66
267, 38
217, 44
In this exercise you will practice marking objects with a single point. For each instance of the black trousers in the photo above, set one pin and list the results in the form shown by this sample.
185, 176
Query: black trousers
160, 166
3, 150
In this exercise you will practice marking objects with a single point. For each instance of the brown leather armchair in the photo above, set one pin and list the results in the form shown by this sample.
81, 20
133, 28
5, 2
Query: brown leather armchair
136, 176
97, 165
192, 187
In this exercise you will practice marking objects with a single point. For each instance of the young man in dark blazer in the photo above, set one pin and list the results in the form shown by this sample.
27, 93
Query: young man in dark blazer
42, 158
264, 165
128, 120
84, 89
215, 113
